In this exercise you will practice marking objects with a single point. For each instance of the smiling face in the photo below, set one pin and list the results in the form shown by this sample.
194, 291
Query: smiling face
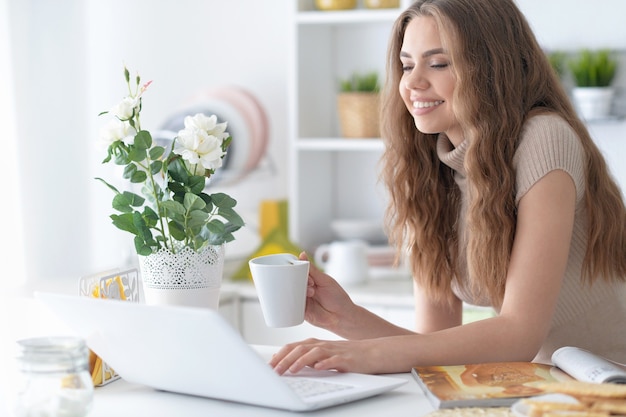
427, 82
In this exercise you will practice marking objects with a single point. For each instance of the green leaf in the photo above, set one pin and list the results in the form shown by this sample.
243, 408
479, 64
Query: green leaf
124, 222
230, 227
150, 216
231, 215
178, 171
207, 200
176, 230
108, 185
135, 175
218, 239
222, 200
174, 207
136, 154
139, 177
193, 202
226, 143
143, 140
176, 187
156, 152
143, 230
125, 201
141, 247
155, 167
129, 170
153, 195
196, 184
215, 226
121, 155
197, 219
134, 199
121, 203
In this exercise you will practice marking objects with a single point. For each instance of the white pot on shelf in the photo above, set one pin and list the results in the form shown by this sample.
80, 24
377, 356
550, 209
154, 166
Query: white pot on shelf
593, 103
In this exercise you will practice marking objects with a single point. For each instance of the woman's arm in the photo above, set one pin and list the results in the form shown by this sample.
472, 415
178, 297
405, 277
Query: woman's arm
538, 261
431, 316
329, 306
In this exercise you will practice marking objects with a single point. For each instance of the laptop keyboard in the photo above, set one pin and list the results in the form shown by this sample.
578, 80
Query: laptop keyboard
307, 387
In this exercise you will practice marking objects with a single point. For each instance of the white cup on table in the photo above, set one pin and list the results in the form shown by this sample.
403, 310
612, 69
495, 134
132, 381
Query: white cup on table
281, 282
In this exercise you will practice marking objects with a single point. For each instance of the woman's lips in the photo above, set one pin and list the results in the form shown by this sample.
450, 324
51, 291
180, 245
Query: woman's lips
423, 107
426, 104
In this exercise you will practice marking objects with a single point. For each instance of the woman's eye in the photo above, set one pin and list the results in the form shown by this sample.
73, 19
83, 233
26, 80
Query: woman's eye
407, 68
439, 65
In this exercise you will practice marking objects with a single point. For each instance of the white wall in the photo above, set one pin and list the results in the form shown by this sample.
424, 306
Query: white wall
11, 256
572, 24
67, 60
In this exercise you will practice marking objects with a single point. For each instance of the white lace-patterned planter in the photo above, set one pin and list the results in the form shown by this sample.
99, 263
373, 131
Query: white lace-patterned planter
185, 278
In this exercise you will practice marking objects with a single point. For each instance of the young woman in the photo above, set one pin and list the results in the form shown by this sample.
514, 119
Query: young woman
498, 196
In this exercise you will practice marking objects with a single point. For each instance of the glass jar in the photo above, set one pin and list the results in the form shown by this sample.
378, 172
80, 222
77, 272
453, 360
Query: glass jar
54, 378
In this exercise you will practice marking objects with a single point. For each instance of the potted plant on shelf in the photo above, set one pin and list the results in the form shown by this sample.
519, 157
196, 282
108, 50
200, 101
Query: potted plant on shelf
179, 230
593, 73
557, 61
327, 5
382, 4
358, 106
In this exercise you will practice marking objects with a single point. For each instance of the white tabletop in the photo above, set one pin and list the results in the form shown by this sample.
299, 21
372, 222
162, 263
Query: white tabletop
121, 398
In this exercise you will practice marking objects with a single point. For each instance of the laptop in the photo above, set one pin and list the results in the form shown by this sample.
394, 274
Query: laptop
197, 352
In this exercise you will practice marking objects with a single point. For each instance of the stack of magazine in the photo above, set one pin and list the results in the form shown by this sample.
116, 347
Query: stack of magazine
500, 384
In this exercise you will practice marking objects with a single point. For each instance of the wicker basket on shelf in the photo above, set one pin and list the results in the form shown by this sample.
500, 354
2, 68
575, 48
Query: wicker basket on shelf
381, 4
358, 114
335, 4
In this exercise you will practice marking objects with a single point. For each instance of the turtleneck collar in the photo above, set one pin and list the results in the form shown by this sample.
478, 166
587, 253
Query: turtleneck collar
451, 156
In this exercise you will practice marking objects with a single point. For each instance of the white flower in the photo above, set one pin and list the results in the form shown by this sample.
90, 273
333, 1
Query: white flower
126, 108
117, 130
208, 124
200, 142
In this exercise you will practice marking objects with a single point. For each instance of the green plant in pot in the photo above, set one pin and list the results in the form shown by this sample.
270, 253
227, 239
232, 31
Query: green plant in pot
593, 72
361, 82
358, 105
557, 61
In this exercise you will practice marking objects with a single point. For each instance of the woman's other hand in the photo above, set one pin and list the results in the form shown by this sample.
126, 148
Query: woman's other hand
342, 355
327, 303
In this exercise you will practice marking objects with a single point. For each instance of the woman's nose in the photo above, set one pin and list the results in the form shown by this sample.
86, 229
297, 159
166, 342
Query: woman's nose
415, 81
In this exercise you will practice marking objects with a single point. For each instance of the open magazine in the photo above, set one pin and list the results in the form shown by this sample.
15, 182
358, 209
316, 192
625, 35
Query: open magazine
588, 367
497, 384
501, 384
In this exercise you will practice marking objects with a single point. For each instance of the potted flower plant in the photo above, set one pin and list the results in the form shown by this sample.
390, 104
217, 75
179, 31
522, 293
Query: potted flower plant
358, 104
179, 230
593, 73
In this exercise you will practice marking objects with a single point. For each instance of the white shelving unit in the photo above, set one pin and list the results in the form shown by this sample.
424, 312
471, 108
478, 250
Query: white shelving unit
332, 177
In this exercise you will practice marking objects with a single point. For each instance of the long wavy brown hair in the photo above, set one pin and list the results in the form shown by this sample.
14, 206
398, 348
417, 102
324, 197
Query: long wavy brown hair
502, 78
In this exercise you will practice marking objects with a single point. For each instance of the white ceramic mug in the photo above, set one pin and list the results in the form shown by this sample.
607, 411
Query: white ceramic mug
346, 261
281, 281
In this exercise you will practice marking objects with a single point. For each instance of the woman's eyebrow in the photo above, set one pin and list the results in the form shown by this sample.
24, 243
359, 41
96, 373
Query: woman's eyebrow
432, 52
426, 54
